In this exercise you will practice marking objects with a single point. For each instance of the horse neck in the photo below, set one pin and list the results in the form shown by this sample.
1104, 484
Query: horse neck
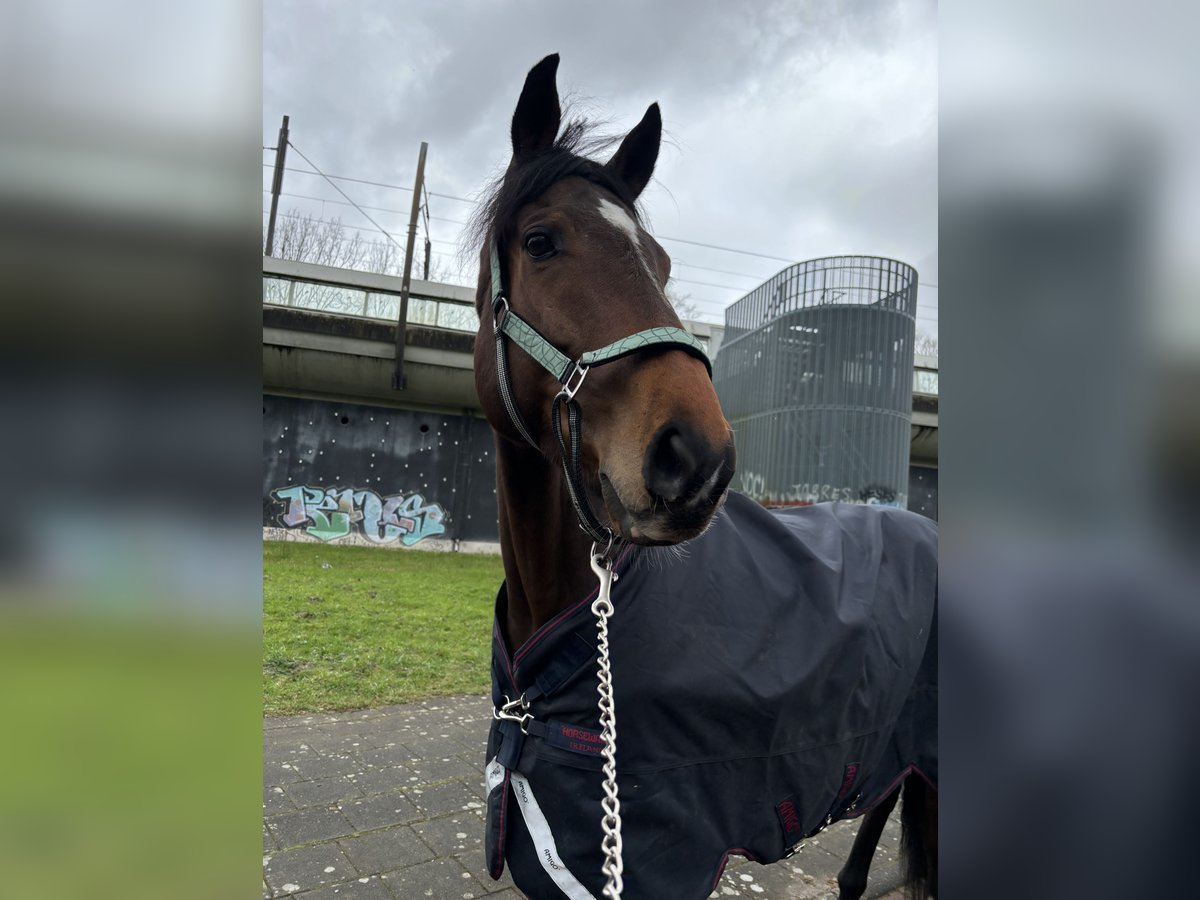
545, 552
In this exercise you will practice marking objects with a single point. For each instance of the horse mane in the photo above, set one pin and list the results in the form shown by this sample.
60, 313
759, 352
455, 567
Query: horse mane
570, 155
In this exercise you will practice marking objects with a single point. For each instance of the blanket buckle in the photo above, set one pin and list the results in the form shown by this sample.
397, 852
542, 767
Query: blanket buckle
508, 712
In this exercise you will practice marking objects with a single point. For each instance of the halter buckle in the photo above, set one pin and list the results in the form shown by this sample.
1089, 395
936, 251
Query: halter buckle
577, 375
499, 311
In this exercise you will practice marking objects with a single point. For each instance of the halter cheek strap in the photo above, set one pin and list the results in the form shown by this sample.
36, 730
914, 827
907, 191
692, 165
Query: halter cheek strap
570, 375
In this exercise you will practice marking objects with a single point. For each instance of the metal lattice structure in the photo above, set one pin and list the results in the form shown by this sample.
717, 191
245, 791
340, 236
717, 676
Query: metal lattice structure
816, 376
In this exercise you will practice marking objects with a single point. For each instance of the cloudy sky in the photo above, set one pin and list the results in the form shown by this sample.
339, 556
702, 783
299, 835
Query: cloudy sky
793, 130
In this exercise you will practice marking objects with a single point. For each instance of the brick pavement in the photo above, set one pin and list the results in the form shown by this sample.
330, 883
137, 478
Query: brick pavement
388, 803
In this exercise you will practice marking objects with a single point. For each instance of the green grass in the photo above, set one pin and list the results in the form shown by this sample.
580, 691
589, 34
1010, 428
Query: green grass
376, 627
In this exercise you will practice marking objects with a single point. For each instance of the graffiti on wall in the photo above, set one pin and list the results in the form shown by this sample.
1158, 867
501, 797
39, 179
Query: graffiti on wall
804, 494
329, 513
881, 495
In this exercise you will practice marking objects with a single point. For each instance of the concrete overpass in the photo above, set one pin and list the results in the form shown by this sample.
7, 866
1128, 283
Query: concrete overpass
330, 333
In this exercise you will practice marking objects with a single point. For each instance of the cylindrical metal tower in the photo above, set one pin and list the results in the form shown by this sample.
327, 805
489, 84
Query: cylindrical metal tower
815, 375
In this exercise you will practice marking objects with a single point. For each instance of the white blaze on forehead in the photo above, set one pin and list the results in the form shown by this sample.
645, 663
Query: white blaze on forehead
618, 217
623, 222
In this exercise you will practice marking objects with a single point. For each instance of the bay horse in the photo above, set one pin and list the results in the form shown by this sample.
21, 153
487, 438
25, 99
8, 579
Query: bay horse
775, 675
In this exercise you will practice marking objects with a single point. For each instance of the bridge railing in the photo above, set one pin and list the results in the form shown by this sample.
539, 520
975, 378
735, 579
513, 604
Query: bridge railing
368, 295
925, 375
347, 292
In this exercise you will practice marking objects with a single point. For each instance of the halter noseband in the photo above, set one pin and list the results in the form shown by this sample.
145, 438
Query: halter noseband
570, 375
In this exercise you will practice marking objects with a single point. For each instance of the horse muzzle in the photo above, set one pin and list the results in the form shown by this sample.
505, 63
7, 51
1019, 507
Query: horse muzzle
684, 480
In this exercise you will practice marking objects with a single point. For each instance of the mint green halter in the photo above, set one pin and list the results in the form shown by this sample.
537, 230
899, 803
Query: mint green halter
570, 375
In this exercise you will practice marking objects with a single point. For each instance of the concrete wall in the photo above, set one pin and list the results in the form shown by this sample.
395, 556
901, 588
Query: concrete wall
349, 459
355, 473
379, 476
923, 490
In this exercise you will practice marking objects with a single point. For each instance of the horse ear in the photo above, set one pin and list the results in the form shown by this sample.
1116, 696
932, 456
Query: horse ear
536, 120
634, 160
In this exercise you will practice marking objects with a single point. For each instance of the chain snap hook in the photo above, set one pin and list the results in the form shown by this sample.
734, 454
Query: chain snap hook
603, 559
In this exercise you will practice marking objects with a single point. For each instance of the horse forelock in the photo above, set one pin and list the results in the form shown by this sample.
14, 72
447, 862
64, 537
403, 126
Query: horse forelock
528, 178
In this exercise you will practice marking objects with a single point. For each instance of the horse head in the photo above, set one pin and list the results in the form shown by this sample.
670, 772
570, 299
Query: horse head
565, 253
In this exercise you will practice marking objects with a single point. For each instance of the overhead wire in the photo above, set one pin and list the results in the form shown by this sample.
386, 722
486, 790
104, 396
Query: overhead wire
719, 303
338, 202
674, 278
726, 287
429, 217
667, 237
330, 178
366, 215
382, 184
356, 227
400, 187
429, 193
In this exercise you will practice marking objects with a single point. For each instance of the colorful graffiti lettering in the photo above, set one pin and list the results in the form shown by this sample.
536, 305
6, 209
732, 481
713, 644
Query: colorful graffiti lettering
330, 513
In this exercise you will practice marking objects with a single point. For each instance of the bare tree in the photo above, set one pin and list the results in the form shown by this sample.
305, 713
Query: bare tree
684, 307
327, 242
383, 257
439, 270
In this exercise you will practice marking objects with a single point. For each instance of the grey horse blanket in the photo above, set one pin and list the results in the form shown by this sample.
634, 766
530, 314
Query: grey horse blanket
780, 677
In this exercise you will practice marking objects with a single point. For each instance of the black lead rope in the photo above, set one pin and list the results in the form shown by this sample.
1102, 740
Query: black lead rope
573, 468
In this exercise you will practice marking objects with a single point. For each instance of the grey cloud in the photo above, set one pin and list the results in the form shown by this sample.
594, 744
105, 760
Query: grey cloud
751, 94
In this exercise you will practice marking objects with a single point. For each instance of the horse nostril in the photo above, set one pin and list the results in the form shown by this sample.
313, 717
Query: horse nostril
672, 465
666, 465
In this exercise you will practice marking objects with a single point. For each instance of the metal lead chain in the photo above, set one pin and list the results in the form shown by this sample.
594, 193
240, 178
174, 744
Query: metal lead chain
611, 821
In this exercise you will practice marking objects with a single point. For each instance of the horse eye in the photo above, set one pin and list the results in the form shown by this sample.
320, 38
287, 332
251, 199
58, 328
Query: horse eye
539, 246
